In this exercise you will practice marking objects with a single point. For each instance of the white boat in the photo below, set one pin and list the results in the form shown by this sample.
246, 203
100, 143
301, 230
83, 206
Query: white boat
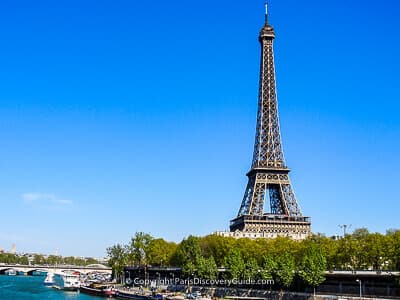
49, 281
11, 272
65, 281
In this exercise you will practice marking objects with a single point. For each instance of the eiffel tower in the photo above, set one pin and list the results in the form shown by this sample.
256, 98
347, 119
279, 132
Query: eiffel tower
269, 176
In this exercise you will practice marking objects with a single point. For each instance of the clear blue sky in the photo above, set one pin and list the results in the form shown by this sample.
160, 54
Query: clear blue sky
124, 116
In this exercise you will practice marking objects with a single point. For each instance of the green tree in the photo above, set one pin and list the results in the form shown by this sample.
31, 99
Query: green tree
329, 248
39, 259
79, 261
265, 248
91, 261
8, 258
23, 260
189, 268
393, 244
249, 249
159, 252
375, 251
138, 247
285, 269
251, 269
313, 266
217, 247
270, 267
360, 242
284, 245
188, 254
234, 264
117, 260
68, 260
348, 253
207, 268
54, 260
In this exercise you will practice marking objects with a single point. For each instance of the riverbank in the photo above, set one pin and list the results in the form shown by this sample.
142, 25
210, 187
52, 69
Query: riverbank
252, 294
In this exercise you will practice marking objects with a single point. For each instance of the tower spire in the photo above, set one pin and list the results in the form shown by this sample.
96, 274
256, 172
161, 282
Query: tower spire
266, 12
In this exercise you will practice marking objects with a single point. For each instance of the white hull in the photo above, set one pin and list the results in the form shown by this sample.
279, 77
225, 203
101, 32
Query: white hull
66, 282
49, 281
11, 272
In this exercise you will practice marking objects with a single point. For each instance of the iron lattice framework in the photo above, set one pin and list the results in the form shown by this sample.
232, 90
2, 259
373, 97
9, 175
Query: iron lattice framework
269, 177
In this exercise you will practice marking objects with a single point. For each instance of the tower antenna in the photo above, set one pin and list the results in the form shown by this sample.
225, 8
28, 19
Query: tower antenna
266, 12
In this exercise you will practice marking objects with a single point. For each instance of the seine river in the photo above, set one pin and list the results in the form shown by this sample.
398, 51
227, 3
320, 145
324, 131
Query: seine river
31, 287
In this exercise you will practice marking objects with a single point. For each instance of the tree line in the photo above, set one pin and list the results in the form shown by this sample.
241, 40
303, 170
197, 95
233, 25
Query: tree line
38, 259
280, 259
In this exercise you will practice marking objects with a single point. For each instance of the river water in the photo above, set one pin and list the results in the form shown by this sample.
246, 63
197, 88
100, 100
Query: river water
32, 288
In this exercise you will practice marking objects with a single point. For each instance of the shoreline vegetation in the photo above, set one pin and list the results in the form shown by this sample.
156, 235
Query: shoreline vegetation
39, 259
281, 260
